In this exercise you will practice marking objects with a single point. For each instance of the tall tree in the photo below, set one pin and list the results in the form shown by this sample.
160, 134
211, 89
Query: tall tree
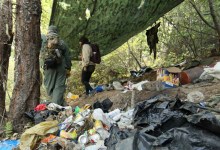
215, 19
6, 38
26, 90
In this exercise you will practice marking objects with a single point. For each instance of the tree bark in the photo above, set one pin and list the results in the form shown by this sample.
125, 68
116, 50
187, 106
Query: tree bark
6, 38
215, 19
26, 92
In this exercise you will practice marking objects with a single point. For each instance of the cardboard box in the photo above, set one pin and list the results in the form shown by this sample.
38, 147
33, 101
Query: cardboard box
169, 77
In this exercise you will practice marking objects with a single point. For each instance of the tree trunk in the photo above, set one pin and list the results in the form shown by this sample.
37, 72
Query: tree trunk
6, 38
26, 92
215, 20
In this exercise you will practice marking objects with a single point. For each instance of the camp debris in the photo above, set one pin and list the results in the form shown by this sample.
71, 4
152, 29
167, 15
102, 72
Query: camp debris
160, 122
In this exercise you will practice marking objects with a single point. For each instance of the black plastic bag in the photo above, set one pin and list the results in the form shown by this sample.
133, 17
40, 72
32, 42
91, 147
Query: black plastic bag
105, 105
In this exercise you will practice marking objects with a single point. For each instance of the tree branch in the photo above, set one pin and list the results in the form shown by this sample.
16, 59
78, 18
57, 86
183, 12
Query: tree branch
196, 30
200, 15
133, 55
184, 39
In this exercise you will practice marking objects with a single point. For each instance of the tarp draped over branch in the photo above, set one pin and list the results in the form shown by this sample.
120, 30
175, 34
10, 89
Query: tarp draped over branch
107, 22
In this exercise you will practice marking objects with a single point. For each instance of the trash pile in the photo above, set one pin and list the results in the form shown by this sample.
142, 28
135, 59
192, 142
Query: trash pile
160, 122
165, 78
156, 123
73, 127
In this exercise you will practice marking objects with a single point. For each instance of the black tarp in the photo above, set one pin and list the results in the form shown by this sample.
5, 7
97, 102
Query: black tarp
165, 123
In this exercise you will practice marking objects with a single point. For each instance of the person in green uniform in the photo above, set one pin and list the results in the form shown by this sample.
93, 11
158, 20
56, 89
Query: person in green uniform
56, 63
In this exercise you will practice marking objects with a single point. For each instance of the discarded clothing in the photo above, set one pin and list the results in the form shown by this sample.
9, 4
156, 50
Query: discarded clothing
30, 137
40, 107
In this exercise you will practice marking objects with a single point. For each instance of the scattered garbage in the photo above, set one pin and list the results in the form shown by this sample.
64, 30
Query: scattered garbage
162, 122
105, 105
169, 77
158, 122
214, 100
190, 75
139, 86
99, 88
195, 96
191, 64
40, 107
210, 73
140, 72
117, 86
71, 97
30, 137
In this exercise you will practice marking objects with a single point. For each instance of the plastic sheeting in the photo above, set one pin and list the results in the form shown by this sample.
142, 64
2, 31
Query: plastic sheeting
165, 123
32, 135
117, 136
8, 144
105, 21
211, 72
105, 105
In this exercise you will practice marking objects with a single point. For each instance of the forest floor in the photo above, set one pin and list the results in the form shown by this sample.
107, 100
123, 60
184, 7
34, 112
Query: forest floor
121, 100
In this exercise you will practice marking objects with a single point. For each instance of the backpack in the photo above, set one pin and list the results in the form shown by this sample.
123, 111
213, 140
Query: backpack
52, 56
96, 55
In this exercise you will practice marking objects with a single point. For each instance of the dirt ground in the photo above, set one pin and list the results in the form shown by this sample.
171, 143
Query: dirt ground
121, 100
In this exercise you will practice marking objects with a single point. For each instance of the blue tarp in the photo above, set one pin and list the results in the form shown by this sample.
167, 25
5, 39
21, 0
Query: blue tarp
8, 144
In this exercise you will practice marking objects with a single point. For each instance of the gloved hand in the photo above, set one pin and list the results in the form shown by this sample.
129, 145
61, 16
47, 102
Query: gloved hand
68, 72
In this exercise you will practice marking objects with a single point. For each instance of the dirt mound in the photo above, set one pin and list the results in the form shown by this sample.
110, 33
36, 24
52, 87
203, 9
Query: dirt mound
121, 100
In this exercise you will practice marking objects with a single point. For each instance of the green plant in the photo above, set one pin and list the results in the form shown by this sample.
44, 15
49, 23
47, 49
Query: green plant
8, 129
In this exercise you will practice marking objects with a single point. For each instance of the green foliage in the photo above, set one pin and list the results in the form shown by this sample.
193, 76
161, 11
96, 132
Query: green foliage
74, 84
185, 34
46, 13
10, 82
8, 129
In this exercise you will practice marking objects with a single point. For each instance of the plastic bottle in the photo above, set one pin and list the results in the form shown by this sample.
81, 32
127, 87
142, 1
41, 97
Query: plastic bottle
114, 113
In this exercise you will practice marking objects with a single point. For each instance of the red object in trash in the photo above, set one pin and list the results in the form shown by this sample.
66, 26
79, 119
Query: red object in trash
190, 75
40, 107
48, 139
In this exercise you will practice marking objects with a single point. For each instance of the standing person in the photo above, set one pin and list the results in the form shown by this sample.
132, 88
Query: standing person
88, 67
56, 64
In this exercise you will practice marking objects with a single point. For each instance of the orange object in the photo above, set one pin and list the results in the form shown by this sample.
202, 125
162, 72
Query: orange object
190, 75
48, 139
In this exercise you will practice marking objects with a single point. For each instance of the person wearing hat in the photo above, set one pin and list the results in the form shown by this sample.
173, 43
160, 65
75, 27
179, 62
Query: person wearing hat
56, 64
